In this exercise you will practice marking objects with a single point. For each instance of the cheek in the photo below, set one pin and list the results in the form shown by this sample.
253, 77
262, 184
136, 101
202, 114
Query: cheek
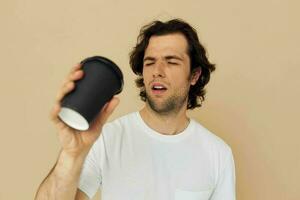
146, 76
180, 78
145, 71
182, 85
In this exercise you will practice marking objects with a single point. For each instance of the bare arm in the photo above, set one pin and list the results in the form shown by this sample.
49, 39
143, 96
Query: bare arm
81, 196
61, 183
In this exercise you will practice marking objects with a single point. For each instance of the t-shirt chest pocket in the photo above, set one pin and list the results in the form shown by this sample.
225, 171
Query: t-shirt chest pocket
192, 195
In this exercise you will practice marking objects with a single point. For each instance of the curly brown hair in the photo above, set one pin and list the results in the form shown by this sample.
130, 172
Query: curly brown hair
196, 52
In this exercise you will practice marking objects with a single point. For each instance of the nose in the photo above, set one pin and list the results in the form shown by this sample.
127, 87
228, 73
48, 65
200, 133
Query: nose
159, 69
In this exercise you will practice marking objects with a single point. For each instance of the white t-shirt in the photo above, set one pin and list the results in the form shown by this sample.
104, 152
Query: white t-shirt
130, 161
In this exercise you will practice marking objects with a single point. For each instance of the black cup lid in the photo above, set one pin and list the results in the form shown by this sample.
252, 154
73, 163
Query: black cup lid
111, 64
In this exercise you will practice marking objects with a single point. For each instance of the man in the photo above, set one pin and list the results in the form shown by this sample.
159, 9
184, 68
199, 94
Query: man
156, 153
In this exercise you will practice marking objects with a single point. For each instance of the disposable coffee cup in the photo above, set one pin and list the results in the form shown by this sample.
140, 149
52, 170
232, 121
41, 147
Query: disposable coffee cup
101, 81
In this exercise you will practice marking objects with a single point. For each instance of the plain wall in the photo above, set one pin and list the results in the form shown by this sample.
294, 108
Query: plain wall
252, 99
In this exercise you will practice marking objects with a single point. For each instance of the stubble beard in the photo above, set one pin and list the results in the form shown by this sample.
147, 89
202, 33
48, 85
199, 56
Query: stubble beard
170, 106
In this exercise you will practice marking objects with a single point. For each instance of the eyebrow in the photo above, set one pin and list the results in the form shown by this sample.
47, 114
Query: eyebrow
173, 57
149, 58
166, 57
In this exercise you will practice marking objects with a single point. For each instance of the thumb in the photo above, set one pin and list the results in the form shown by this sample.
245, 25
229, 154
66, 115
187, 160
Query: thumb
106, 111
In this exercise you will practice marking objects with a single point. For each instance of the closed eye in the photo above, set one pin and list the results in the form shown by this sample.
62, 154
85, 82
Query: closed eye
173, 63
148, 64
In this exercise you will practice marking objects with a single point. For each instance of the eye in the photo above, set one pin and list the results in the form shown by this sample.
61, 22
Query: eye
172, 63
148, 64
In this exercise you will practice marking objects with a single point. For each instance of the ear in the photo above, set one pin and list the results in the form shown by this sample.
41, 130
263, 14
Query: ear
195, 75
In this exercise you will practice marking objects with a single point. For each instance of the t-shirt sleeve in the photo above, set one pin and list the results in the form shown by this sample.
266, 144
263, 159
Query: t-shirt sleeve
225, 188
90, 178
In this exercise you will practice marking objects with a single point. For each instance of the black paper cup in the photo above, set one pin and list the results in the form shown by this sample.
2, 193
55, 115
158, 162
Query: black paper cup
102, 80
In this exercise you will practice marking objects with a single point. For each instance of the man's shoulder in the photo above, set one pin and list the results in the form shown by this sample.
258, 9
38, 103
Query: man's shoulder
209, 138
120, 122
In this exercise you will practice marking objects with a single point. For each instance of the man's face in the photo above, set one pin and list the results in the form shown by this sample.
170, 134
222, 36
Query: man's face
166, 73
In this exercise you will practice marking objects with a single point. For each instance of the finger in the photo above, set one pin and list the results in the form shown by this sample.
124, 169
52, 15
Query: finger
74, 76
54, 112
75, 68
111, 105
68, 87
54, 116
105, 113
72, 70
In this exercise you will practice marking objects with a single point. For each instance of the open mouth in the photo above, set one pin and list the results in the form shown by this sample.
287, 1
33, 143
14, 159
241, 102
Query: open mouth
158, 88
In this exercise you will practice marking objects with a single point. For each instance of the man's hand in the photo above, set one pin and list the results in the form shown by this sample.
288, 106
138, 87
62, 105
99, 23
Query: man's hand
62, 181
77, 143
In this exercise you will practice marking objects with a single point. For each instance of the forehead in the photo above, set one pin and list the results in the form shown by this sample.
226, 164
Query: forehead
175, 43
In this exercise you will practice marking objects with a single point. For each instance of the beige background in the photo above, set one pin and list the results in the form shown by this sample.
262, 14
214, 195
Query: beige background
252, 101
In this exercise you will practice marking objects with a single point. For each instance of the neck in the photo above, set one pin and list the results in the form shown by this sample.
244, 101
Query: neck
167, 124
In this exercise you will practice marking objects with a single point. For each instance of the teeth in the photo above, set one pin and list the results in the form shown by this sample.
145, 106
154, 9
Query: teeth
158, 87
